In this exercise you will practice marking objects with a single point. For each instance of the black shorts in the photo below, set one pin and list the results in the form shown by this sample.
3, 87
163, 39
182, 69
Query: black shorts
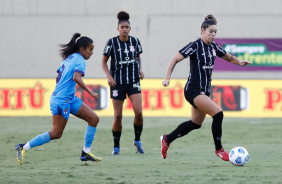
192, 93
120, 90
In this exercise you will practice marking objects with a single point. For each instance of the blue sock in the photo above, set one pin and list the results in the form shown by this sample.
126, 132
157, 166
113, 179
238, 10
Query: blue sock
40, 139
89, 136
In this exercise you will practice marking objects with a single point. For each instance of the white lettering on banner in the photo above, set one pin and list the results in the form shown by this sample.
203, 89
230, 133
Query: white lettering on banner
243, 49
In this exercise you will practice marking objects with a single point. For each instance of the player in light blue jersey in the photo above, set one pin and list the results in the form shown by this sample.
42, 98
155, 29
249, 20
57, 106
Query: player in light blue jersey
63, 101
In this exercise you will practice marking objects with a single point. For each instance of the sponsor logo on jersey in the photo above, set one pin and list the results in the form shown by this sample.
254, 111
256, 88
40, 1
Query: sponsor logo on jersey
127, 62
189, 50
208, 67
126, 51
137, 85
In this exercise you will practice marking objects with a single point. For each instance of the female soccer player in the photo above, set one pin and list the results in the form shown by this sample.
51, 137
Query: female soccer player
124, 79
63, 100
202, 54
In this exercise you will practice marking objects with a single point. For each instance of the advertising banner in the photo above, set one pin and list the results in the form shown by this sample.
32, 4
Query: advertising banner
237, 98
265, 54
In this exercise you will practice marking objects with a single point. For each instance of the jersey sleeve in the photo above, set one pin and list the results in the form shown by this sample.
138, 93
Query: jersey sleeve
219, 51
139, 47
108, 48
188, 50
80, 66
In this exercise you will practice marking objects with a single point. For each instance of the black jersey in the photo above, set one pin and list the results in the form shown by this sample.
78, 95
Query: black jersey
124, 65
202, 58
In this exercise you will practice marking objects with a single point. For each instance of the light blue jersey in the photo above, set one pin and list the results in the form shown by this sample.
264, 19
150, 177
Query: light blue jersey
65, 88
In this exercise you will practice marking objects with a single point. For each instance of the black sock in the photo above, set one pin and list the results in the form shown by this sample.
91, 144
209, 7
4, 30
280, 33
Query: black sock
116, 137
138, 131
217, 129
183, 129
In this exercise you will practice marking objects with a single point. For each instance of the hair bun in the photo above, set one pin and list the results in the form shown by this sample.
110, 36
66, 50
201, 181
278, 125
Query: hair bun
211, 17
122, 15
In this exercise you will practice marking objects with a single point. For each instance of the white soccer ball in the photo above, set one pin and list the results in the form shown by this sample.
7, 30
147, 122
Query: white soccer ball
238, 156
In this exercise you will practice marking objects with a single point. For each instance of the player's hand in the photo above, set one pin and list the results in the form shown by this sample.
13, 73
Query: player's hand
141, 74
245, 63
166, 83
111, 81
95, 95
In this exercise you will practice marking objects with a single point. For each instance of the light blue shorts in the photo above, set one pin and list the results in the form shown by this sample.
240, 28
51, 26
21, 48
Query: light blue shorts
67, 108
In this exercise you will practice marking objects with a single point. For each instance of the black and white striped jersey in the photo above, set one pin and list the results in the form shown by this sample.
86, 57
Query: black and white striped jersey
202, 58
124, 65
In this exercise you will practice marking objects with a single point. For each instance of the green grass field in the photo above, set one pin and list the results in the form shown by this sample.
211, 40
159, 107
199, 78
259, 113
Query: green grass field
191, 159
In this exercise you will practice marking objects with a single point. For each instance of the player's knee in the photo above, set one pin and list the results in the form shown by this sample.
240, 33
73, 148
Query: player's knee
55, 135
139, 115
218, 116
118, 116
93, 121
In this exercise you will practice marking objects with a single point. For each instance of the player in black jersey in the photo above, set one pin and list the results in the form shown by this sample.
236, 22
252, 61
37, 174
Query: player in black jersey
202, 54
124, 79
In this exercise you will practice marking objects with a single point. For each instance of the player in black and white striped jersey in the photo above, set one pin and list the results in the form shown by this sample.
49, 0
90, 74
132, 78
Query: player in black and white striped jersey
124, 78
202, 54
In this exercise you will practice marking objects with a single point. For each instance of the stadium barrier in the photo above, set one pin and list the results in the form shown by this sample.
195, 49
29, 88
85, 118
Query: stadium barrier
237, 98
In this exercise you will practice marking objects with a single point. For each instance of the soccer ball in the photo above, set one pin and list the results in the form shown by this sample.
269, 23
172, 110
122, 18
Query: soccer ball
238, 156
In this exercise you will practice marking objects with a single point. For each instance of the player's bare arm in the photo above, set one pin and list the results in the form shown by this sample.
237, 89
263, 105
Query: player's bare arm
233, 59
105, 68
77, 78
177, 58
141, 74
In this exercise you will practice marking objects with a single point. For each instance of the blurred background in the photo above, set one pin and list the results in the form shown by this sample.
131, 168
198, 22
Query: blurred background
31, 30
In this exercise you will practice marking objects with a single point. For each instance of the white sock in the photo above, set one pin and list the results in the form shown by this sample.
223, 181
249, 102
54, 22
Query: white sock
86, 149
26, 146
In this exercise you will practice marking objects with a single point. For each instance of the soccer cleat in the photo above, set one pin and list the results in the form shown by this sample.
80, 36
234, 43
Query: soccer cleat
222, 154
139, 147
115, 151
20, 153
165, 146
89, 157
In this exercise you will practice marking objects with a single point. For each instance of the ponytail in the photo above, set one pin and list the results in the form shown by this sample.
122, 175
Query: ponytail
74, 45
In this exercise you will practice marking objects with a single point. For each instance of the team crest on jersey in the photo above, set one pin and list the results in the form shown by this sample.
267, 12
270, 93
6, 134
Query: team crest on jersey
213, 52
115, 93
132, 48
66, 110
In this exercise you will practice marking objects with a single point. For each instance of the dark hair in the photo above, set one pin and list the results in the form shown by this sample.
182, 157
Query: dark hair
74, 45
123, 16
209, 20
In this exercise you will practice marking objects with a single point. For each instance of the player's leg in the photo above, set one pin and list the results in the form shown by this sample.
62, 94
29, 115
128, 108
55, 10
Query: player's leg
117, 124
60, 117
88, 115
136, 100
197, 118
206, 105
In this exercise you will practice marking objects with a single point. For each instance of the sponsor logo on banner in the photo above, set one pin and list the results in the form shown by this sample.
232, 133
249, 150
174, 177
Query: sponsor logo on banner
257, 54
237, 98
230, 98
264, 54
161, 98
98, 104
273, 99
18, 98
